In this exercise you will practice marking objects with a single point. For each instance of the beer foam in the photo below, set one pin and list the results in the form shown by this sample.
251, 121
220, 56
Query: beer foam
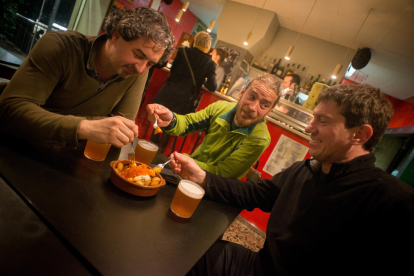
191, 189
148, 145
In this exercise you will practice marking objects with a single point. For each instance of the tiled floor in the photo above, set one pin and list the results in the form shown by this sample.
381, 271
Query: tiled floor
244, 233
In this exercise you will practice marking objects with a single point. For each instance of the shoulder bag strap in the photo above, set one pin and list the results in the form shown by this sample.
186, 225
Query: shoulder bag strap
191, 71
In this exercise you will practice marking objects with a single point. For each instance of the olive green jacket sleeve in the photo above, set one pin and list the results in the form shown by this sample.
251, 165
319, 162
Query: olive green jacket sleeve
52, 92
223, 152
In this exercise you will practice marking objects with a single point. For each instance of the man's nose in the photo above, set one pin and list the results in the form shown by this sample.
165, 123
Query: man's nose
141, 67
253, 106
310, 128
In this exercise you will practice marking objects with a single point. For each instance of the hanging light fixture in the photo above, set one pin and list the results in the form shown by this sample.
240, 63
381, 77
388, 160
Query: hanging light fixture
185, 6
339, 65
178, 17
246, 42
212, 22
290, 50
211, 26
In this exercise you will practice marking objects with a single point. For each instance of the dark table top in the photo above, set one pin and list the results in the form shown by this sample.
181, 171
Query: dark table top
25, 239
113, 231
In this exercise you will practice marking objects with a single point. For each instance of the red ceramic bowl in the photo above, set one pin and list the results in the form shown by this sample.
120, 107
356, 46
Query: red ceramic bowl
132, 187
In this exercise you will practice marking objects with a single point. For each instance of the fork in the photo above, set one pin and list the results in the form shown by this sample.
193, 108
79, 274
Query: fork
163, 165
131, 155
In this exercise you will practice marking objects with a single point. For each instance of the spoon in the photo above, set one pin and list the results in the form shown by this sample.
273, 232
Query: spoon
155, 125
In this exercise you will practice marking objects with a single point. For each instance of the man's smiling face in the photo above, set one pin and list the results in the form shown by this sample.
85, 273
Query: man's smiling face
132, 58
330, 140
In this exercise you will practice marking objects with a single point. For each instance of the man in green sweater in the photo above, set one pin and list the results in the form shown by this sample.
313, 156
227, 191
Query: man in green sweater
236, 134
73, 87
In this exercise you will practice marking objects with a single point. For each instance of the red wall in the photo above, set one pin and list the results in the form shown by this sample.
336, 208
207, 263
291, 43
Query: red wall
403, 110
403, 113
187, 21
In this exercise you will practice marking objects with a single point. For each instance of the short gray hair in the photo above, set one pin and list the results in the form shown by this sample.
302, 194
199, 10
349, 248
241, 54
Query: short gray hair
141, 22
271, 81
202, 39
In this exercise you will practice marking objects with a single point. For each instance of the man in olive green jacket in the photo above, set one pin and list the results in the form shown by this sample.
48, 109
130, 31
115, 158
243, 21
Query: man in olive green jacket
236, 134
73, 87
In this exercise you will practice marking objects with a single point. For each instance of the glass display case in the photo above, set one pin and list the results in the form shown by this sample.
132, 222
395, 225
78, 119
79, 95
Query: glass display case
292, 114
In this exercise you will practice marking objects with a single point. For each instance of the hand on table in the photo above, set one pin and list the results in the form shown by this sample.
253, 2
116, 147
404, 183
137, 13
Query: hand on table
117, 131
160, 113
187, 168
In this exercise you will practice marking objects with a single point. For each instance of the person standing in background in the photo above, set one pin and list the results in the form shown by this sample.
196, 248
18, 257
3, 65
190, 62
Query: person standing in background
73, 87
288, 84
189, 71
218, 56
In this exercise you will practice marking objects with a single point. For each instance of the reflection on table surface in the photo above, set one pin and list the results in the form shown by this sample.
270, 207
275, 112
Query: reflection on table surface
117, 233
25, 239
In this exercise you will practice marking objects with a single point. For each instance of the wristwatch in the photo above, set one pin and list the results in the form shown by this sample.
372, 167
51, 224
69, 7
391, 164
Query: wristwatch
170, 125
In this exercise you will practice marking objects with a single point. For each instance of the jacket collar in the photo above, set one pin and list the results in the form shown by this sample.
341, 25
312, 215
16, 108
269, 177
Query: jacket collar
229, 117
94, 49
339, 168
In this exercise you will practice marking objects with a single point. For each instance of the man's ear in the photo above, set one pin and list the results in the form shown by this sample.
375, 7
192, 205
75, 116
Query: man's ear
362, 134
115, 36
242, 91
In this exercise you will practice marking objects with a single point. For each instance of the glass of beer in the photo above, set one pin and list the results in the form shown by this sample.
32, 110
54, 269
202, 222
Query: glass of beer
145, 151
186, 199
95, 151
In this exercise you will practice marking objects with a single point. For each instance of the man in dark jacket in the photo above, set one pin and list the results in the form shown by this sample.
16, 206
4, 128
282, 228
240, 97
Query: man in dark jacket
335, 214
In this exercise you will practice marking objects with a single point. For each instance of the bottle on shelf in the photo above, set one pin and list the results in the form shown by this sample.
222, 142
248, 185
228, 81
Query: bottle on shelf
256, 63
263, 62
290, 70
308, 83
316, 80
323, 80
286, 70
280, 71
225, 86
297, 70
271, 65
275, 67
266, 64
334, 83
329, 82
303, 76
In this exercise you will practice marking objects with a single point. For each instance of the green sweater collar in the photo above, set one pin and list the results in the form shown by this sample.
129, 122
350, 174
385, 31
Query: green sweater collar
229, 118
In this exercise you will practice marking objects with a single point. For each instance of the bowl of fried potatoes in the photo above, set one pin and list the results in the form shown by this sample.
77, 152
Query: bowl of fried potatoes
136, 178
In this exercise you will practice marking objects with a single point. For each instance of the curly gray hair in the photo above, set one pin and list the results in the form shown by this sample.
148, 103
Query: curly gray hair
141, 22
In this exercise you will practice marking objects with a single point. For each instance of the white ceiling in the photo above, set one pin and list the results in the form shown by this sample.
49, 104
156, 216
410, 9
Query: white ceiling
388, 31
